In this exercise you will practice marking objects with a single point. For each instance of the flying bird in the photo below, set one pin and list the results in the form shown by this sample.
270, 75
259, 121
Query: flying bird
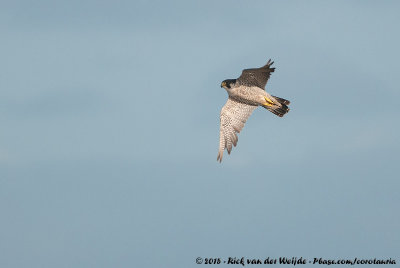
246, 93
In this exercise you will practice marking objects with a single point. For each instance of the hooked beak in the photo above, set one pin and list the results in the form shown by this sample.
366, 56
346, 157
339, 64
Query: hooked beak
223, 84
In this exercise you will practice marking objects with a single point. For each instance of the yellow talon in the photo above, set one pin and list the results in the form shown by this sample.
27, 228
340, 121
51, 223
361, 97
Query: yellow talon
269, 102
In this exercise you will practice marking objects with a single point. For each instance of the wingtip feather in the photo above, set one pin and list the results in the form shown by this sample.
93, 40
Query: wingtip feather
219, 157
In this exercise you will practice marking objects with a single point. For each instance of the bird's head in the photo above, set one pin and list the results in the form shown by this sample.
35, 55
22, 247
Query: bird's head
228, 83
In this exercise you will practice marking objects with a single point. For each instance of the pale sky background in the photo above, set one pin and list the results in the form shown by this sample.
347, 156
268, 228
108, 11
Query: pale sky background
109, 116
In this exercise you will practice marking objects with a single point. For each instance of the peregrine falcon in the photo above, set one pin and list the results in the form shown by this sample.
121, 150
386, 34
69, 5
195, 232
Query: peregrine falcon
246, 93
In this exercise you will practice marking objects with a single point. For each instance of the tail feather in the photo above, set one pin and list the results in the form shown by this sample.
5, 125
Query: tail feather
282, 101
279, 110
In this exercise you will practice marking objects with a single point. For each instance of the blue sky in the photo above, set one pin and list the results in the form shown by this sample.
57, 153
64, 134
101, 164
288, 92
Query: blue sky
110, 123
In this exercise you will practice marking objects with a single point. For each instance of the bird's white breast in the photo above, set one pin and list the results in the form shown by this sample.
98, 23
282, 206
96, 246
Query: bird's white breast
251, 95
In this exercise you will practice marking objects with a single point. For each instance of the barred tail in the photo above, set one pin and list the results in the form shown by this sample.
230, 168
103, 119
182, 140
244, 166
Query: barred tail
279, 110
282, 101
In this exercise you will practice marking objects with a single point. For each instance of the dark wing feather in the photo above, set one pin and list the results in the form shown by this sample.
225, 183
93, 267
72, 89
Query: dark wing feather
257, 76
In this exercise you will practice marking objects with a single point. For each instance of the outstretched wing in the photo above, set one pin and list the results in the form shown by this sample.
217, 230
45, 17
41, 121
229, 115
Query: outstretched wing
257, 76
233, 116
